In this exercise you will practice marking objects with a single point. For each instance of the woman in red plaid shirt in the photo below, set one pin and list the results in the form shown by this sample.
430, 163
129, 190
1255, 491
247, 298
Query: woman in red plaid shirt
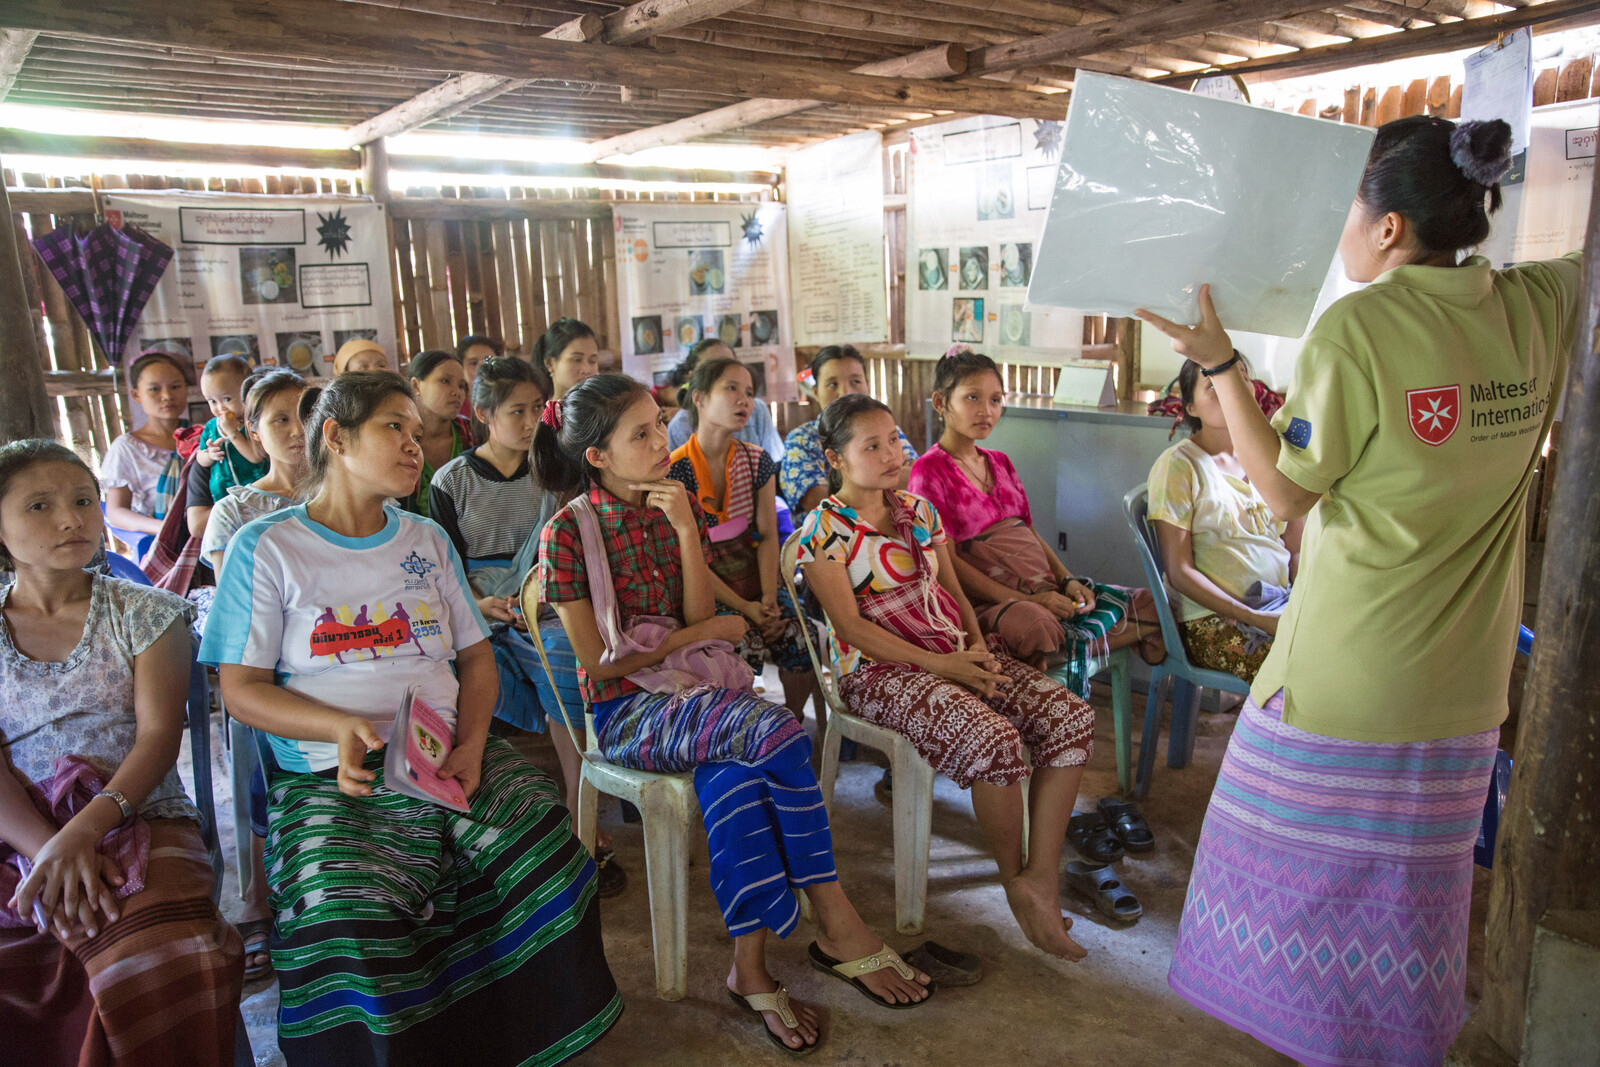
751, 759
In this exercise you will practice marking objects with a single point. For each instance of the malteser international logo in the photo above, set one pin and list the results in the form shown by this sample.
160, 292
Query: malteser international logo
1434, 413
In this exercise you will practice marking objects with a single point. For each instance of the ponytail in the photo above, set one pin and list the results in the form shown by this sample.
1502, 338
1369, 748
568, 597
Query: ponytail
583, 419
836, 428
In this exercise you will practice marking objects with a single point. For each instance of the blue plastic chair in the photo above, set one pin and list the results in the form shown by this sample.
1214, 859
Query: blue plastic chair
1184, 678
125, 568
198, 714
1499, 782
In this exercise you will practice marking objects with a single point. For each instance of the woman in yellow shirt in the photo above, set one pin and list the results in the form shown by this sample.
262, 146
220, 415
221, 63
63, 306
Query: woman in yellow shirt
1327, 913
1219, 540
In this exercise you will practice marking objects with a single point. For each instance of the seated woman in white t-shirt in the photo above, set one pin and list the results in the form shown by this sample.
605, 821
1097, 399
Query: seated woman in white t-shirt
328, 614
1219, 540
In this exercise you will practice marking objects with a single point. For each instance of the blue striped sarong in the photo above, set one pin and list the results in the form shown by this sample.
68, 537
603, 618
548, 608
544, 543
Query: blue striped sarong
410, 935
526, 697
1327, 914
758, 796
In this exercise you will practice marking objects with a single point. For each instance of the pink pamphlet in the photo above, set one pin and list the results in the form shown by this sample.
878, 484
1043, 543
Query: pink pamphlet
418, 746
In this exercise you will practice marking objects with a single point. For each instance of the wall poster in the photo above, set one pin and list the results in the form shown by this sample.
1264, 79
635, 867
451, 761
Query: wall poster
836, 253
980, 189
282, 281
1545, 215
690, 271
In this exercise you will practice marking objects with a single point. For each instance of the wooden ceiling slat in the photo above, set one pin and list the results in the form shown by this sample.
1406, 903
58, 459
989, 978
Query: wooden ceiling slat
1019, 46
294, 27
80, 62
1426, 40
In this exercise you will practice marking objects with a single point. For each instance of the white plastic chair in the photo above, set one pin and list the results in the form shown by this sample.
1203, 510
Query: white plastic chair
668, 807
912, 796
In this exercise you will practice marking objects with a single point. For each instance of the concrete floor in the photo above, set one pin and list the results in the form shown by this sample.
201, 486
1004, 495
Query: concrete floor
1113, 1008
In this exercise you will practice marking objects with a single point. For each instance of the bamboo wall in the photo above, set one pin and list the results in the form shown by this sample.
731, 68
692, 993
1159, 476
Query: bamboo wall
508, 278
494, 264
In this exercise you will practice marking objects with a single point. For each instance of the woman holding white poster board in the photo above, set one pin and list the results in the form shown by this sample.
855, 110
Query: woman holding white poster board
1349, 795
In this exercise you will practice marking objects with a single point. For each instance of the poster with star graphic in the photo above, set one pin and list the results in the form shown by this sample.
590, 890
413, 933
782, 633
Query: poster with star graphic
980, 190
686, 272
282, 281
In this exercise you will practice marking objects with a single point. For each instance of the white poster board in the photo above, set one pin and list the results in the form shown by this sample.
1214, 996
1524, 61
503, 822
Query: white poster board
836, 253
1160, 190
1545, 215
689, 271
980, 188
282, 281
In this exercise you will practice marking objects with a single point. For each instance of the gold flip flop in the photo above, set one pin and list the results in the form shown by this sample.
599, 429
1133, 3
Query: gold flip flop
851, 971
777, 1001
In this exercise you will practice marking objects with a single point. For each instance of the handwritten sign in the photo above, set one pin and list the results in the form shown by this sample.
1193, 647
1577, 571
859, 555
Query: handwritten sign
1089, 383
836, 262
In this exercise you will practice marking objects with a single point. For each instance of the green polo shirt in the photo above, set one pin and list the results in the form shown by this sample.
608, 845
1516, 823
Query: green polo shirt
1418, 409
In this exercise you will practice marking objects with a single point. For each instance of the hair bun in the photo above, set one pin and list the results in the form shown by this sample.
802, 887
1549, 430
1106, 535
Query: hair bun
1482, 150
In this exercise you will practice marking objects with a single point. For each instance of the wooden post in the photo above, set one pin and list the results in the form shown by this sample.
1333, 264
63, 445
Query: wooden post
375, 170
26, 412
1548, 852
1127, 357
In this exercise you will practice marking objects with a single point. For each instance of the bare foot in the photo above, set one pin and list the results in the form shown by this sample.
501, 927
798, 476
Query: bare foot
1038, 912
810, 1022
887, 983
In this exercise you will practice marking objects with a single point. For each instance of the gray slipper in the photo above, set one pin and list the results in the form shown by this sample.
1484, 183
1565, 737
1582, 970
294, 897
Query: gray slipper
1099, 883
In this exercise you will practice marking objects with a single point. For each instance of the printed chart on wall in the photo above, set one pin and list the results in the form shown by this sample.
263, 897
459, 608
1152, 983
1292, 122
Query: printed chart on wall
1545, 215
836, 260
280, 281
980, 189
686, 272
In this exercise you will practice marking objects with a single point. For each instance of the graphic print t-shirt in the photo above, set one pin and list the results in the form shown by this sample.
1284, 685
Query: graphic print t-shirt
349, 621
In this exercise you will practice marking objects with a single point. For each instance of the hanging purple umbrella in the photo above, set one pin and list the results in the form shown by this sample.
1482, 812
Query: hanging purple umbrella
108, 274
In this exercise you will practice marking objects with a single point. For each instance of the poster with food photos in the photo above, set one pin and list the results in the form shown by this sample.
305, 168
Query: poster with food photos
280, 281
686, 272
979, 192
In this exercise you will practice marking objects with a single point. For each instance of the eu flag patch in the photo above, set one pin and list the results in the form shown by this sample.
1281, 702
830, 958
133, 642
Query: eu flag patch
1299, 433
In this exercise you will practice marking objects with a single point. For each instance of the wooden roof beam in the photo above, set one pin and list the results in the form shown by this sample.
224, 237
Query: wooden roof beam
430, 42
1103, 38
22, 142
1137, 30
14, 45
942, 62
133, 148
1427, 40
468, 90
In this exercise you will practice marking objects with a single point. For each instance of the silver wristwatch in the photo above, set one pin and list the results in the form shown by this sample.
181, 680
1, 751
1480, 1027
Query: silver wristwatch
122, 802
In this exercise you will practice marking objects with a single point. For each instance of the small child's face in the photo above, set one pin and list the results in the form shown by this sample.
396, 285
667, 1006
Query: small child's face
221, 391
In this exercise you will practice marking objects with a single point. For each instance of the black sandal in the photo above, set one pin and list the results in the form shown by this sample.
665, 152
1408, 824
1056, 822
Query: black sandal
1091, 835
1099, 883
1127, 824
